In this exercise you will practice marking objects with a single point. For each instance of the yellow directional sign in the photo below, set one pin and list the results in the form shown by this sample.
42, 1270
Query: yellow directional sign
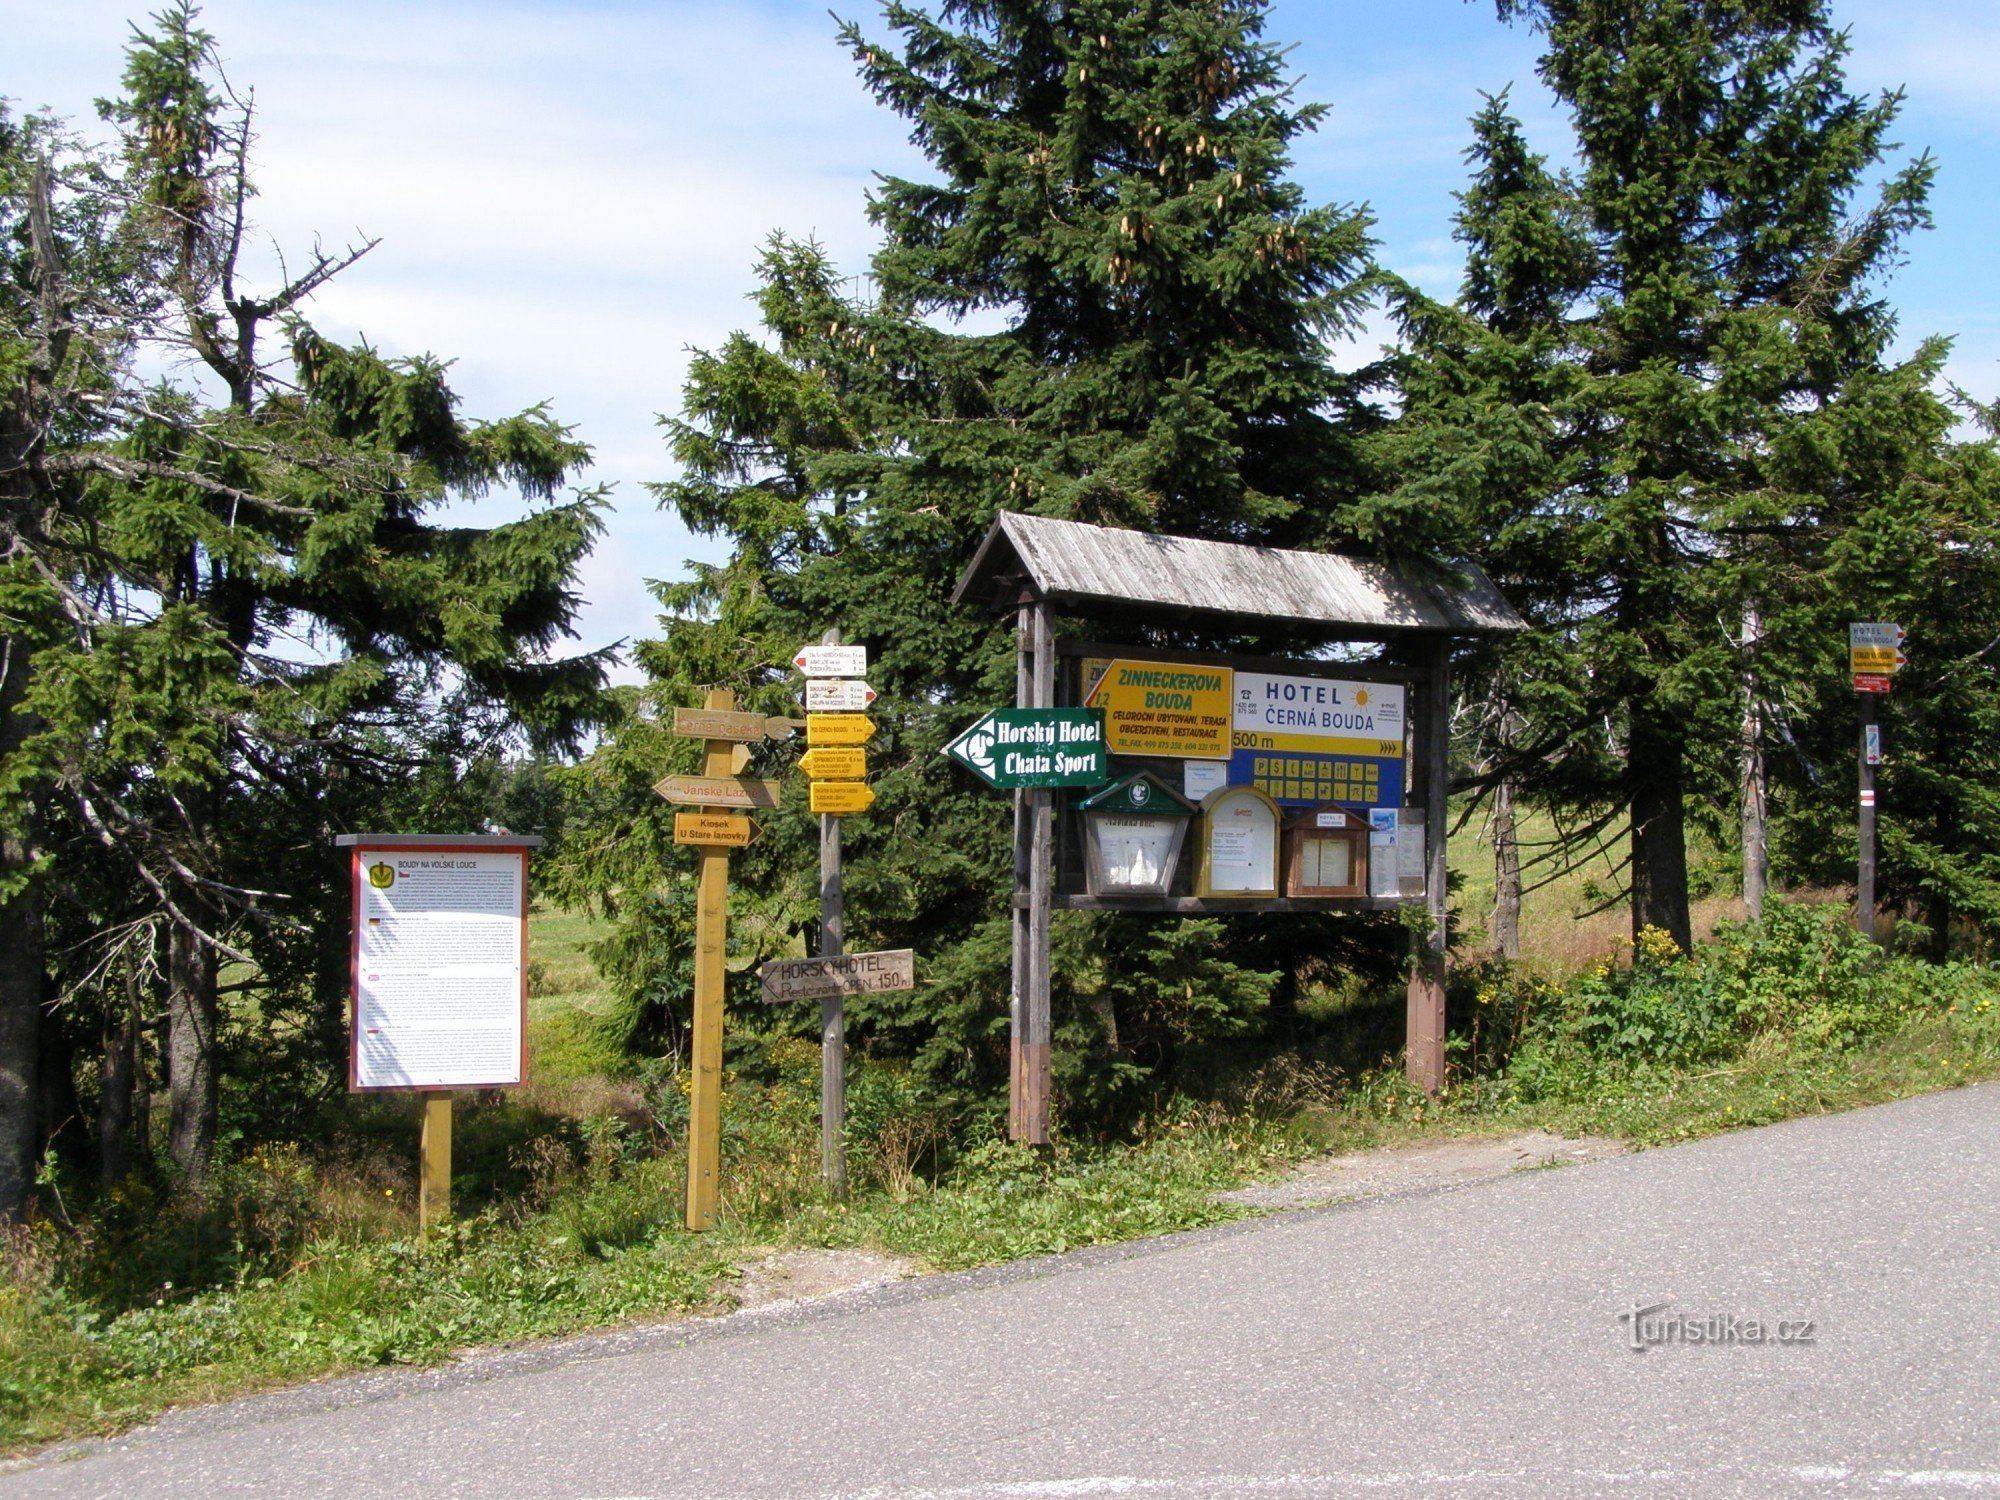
841, 797
718, 791
716, 830
830, 764
1165, 708
1886, 660
839, 729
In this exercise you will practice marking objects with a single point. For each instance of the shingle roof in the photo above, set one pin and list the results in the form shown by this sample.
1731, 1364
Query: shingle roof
1069, 562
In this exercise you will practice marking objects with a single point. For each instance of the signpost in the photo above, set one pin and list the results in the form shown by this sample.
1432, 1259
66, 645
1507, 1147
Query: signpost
713, 724
839, 729
828, 660
835, 695
1017, 749
439, 978
833, 975
714, 834
722, 830
838, 798
835, 764
1874, 656
717, 789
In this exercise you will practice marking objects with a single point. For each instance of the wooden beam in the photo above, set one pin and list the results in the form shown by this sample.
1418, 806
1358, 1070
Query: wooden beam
1037, 1030
1423, 1047
434, 1164
710, 976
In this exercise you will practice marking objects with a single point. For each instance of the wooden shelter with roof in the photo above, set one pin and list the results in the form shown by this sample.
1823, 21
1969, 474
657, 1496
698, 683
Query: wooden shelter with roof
1155, 605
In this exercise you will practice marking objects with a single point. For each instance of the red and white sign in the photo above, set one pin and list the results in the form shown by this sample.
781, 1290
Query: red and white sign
440, 971
832, 661
837, 695
1870, 682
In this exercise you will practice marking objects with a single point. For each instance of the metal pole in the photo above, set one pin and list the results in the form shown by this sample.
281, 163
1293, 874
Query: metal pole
1864, 886
832, 1014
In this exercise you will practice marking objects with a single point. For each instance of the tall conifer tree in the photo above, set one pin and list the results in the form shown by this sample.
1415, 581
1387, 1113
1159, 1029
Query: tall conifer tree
1668, 318
1150, 303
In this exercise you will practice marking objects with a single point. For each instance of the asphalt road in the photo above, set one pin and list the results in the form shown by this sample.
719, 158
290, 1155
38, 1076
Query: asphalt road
1456, 1342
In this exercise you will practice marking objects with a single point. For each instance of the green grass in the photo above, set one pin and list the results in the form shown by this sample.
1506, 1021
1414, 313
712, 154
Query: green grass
305, 1262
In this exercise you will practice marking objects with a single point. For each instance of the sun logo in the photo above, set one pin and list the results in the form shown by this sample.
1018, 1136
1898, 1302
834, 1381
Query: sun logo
1361, 698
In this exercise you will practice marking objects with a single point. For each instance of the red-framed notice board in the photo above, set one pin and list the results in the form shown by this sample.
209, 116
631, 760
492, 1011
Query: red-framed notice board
439, 960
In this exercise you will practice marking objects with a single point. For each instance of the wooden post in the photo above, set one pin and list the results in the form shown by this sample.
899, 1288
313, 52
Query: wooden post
1423, 1048
1035, 1038
1020, 980
1028, 1063
434, 1164
1864, 885
710, 939
832, 1015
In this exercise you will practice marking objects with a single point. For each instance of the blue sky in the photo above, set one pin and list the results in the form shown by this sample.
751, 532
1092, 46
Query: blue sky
572, 195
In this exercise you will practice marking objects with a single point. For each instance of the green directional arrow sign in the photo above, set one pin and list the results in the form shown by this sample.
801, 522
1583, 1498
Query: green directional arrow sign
1035, 748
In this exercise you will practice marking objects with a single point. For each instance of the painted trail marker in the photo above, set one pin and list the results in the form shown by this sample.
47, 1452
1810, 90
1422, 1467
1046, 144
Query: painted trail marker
717, 830
837, 695
839, 797
832, 661
831, 763
717, 791
838, 974
1035, 748
839, 729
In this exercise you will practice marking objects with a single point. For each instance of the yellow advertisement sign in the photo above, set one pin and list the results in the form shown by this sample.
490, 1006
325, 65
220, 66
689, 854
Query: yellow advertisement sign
1163, 708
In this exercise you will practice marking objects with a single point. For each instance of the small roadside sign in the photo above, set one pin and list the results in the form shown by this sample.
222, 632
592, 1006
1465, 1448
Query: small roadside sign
1881, 661
1871, 744
839, 729
1166, 708
1035, 748
832, 661
842, 974
717, 791
837, 695
1876, 633
829, 763
839, 797
715, 830
1868, 682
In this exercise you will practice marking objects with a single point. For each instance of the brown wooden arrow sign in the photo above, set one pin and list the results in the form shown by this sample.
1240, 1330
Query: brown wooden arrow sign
731, 724
718, 791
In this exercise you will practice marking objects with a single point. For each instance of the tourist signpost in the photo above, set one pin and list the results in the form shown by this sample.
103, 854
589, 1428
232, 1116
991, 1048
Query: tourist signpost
1874, 657
1015, 749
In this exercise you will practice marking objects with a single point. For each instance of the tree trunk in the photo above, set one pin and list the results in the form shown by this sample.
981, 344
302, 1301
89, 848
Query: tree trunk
63, 1131
1506, 873
1750, 766
23, 976
191, 1058
119, 1087
1654, 771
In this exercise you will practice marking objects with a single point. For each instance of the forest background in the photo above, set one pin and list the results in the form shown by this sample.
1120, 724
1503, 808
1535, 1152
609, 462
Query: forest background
1666, 406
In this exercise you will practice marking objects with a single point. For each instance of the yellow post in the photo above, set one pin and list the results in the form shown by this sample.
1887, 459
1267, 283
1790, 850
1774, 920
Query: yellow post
710, 934
434, 1164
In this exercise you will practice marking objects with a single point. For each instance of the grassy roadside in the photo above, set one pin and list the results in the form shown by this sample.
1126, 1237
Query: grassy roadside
573, 1198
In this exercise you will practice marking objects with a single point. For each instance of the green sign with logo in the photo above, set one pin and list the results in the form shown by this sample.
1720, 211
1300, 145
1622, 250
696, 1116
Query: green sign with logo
1141, 792
1035, 748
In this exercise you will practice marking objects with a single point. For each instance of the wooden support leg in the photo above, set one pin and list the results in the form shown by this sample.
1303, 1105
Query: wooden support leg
434, 1164
710, 944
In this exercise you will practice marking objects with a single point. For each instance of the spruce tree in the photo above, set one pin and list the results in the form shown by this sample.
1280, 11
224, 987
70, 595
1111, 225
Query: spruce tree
1669, 317
1108, 198
257, 604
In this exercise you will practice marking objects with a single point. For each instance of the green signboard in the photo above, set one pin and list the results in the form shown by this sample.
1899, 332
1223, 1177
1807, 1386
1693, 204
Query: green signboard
1035, 748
